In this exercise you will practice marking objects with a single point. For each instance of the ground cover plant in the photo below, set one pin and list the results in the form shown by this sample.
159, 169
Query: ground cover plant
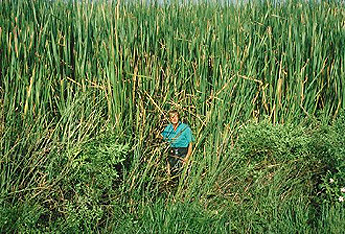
84, 88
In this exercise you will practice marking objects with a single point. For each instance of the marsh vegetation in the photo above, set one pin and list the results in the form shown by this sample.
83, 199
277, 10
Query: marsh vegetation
84, 87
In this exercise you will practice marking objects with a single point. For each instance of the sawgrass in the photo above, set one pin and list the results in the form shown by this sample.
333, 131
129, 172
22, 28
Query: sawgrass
85, 87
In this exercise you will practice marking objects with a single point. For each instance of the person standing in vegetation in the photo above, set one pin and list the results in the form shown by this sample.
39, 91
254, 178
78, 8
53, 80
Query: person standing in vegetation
180, 137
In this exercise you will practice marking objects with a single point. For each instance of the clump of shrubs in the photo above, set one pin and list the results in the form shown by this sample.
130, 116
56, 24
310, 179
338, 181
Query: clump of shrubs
89, 175
292, 160
330, 143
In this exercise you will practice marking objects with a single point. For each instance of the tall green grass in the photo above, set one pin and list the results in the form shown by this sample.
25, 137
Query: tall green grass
85, 85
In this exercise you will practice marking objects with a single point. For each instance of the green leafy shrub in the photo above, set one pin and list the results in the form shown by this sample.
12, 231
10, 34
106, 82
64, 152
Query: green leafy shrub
265, 142
88, 175
99, 163
330, 144
271, 167
333, 188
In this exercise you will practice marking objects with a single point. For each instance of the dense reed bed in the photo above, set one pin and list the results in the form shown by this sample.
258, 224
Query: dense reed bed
84, 91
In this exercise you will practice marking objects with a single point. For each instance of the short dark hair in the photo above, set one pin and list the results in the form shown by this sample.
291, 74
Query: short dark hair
174, 111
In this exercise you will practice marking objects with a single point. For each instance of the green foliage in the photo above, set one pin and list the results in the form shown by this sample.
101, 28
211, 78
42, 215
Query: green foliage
91, 182
331, 219
282, 166
98, 164
70, 69
81, 179
80, 216
20, 217
333, 188
330, 144
265, 142
173, 217
270, 158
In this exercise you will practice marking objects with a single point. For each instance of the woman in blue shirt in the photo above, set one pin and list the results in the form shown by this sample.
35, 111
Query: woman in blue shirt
180, 137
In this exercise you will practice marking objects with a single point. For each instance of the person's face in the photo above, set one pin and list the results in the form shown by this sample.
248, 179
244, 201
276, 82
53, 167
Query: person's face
173, 118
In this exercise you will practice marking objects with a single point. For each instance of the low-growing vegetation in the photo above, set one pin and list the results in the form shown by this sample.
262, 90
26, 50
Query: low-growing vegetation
84, 88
